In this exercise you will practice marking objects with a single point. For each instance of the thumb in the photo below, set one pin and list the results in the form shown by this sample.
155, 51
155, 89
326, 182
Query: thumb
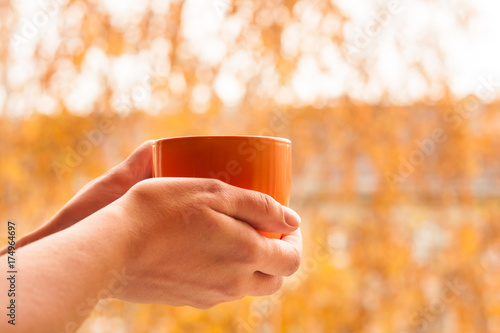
138, 165
259, 210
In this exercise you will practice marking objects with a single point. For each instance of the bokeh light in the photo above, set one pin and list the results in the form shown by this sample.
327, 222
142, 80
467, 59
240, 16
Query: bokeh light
392, 108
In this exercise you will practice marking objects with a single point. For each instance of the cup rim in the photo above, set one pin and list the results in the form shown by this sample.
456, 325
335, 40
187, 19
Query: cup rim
190, 137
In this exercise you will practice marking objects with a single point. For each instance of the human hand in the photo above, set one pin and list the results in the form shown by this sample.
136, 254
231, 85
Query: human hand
194, 242
96, 194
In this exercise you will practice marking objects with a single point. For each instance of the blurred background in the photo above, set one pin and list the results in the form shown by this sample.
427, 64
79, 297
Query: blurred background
392, 108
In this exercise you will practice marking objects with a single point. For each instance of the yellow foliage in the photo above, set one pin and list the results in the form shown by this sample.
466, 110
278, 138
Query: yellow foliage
401, 233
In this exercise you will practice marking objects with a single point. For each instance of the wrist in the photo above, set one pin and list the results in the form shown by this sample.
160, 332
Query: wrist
110, 244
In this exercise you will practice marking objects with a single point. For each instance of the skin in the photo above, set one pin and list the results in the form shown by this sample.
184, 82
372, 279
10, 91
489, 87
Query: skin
175, 241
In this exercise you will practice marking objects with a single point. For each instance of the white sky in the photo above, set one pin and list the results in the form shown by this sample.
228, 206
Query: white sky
471, 56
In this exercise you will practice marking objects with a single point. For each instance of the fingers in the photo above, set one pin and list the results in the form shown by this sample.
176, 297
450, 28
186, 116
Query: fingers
119, 179
277, 257
259, 210
139, 164
237, 215
294, 239
262, 284
282, 256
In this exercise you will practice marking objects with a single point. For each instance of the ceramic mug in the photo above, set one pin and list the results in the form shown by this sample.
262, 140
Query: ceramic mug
252, 162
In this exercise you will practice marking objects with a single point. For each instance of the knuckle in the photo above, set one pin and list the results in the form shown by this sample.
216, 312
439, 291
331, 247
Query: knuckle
143, 192
294, 262
139, 190
214, 186
215, 192
271, 208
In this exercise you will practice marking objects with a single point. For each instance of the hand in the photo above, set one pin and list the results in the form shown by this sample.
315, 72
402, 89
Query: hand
95, 195
194, 242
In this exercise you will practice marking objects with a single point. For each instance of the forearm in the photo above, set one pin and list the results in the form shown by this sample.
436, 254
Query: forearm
60, 278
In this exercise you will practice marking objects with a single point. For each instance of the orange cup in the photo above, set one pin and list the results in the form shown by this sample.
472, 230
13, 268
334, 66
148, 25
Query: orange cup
252, 162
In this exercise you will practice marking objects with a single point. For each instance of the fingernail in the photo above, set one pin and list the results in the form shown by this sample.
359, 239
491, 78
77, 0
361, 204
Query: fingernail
291, 217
